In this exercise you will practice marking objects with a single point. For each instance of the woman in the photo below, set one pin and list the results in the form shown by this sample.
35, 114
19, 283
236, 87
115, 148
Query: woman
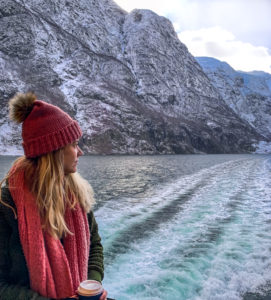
48, 242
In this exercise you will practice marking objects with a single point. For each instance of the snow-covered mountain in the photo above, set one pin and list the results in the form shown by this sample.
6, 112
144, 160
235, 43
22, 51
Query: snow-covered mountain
126, 77
247, 93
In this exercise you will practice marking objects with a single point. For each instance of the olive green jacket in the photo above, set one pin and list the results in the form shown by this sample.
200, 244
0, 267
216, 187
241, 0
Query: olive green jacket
14, 277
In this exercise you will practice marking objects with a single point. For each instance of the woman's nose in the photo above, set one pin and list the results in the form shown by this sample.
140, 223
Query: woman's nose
80, 152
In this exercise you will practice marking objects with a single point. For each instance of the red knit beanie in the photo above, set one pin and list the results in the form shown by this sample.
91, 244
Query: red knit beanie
45, 127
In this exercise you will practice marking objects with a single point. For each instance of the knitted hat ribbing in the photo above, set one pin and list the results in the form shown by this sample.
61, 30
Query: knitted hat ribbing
47, 128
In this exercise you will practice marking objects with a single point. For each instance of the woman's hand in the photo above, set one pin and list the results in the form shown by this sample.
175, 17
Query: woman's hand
104, 295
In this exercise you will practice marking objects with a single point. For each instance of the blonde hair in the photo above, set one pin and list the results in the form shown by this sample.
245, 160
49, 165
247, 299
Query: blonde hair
54, 191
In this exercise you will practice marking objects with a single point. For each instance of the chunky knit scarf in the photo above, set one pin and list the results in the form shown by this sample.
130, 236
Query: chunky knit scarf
55, 270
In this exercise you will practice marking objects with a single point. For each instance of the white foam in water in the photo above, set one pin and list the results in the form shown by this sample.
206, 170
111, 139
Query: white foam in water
119, 214
216, 247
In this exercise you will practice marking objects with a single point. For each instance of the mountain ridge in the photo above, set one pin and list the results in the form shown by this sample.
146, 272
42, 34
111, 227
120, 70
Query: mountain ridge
247, 93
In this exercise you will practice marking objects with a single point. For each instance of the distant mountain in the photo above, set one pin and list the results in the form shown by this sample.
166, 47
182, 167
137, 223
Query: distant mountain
247, 93
126, 77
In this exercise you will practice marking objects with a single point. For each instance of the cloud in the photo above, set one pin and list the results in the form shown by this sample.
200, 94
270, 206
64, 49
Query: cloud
249, 20
222, 44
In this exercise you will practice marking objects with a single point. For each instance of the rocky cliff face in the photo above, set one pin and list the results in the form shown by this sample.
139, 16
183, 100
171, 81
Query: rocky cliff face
127, 79
248, 94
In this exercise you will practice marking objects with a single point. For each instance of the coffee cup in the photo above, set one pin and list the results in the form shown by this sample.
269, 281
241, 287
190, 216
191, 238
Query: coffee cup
90, 290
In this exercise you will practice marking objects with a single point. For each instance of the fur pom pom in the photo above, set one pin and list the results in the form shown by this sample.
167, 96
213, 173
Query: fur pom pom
20, 106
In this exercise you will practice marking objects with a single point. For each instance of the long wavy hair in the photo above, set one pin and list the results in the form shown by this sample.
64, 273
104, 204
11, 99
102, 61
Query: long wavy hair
53, 190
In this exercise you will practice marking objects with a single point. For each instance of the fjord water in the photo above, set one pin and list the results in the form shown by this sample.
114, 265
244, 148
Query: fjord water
183, 226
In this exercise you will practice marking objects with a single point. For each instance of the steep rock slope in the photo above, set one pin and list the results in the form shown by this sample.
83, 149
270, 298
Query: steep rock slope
247, 93
127, 79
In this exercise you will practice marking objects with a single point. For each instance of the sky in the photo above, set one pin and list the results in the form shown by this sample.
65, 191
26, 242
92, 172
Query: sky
235, 31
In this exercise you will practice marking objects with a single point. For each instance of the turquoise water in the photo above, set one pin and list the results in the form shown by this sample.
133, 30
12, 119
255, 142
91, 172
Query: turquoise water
183, 227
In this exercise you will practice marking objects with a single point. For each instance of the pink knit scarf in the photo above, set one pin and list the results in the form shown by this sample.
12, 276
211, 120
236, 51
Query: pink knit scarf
55, 270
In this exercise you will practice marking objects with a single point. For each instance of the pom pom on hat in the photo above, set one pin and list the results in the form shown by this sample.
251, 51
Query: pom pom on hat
20, 106
45, 127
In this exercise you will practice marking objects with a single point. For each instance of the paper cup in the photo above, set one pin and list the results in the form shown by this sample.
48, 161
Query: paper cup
90, 290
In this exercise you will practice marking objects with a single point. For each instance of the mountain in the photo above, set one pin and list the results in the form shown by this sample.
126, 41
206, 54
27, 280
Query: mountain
247, 93
126, 77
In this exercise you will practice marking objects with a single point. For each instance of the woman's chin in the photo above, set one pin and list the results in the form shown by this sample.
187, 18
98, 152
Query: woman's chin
70, 171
